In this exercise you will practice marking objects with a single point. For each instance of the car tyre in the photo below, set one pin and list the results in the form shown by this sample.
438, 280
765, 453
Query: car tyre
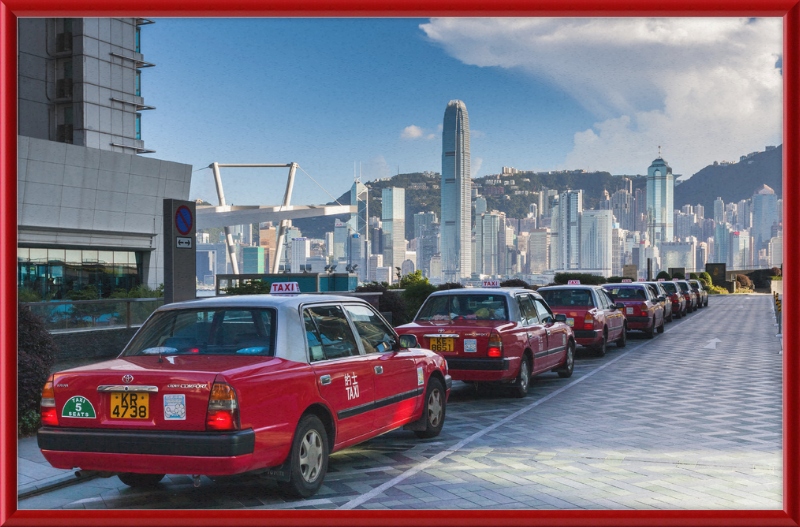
565, 371
651, 331
622, 341
523, 380
309, 457
434, 410
600, 350
136, 480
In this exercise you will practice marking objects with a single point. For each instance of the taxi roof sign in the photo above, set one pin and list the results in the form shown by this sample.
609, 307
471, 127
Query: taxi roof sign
285, 288
676, 279
660, 279
573, 282
626, 280
491, 283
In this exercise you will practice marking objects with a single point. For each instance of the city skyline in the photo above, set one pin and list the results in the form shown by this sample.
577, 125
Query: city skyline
557, 113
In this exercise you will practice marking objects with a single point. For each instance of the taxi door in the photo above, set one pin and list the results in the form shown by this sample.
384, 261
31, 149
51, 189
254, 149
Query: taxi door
556, 334
398, 382
344, 375
535, 332
615, 320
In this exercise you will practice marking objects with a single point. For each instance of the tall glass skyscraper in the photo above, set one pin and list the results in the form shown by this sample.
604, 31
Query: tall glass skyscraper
393, 216
456, 221
660, 186
765, 212
359, 196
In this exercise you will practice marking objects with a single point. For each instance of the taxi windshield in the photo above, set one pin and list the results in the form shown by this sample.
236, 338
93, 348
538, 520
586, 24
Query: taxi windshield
225, 331
567, 297
464, 307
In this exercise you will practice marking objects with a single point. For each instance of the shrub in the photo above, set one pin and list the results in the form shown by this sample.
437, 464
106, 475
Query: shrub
663, 274
678, 275
615, 279
514, 282
250, 287
693, 276
776, 271
449, 285
717, 290
390, 301
744, 281
585, 278
36, 355
705, 278
416, 288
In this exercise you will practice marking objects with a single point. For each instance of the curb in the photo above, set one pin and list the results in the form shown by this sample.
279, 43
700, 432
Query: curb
32, 489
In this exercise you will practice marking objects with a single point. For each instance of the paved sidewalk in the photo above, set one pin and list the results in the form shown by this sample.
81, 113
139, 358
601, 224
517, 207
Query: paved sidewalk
34, 473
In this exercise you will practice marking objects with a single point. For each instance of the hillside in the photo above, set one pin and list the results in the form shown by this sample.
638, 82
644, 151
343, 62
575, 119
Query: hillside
516, 206
732, 182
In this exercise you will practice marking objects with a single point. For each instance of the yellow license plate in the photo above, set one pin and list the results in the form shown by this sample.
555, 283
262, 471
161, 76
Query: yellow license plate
130, 405
442, 344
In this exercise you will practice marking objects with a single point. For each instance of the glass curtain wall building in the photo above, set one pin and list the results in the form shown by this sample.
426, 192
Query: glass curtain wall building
660, 186
456, 221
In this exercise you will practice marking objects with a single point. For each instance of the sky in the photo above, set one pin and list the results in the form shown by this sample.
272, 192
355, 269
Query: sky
541, 93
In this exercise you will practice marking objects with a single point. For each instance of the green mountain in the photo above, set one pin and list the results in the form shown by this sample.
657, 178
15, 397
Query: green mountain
732, 182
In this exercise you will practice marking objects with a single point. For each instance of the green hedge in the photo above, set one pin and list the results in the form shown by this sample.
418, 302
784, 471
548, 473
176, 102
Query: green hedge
585, 278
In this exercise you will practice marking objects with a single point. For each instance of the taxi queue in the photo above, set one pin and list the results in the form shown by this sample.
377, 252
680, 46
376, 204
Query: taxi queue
271, 385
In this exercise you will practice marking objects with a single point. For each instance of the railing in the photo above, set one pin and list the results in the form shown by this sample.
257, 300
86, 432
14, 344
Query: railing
87, 314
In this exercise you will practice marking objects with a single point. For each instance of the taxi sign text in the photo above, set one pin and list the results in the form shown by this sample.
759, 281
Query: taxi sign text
626, 280
491, 283
660, 279
285, 287
573, 282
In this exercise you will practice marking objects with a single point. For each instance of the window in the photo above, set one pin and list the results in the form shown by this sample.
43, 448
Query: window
138, 83
206, 332
138, 126
527, 310
610, 300
545, 315
464, 307
375, 335
328, 333
568, 297
138, 39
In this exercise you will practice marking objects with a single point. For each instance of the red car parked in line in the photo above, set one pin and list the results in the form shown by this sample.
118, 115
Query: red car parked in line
642, 309
691, 296
591, 313
494, 335
675, 295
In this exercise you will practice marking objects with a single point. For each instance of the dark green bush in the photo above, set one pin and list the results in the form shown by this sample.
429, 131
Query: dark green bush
390, 301
705, 278
693, 276
585, 278
615, 279
416, 290
449, 285
663, 274
36, 355
678, 275
514, 282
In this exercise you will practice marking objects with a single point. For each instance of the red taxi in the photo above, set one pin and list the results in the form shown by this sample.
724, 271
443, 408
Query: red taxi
675, 297
494, 335
643, 311
593, 315
691, 296
260, 384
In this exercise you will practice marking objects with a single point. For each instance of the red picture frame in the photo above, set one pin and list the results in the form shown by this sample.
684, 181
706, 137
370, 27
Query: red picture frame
11, 9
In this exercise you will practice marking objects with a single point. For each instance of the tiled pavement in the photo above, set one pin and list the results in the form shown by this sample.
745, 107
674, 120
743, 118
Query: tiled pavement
661, 424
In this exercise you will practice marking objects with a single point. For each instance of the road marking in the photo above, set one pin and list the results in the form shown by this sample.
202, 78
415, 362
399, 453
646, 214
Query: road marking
712, 344
355, 502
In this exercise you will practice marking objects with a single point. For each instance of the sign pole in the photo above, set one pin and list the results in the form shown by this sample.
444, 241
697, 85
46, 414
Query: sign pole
180, 262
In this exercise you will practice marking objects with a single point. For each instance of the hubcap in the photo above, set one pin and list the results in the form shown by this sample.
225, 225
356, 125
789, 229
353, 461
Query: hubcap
523, 375
311, 456
435, 408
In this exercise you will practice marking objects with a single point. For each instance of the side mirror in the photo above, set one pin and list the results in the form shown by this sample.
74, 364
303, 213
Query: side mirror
662, 299
561, 317
408, 341
620, 305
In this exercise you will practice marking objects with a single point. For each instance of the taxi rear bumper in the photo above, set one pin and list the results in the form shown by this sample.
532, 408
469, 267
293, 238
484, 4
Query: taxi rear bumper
480, 369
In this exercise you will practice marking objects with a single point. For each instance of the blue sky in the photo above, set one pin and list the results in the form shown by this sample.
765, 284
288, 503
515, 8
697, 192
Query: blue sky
543, 94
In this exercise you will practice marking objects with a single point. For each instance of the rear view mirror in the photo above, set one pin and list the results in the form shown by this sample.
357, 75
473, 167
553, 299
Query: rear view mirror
408, 341
561, 317
619, 305
662, 298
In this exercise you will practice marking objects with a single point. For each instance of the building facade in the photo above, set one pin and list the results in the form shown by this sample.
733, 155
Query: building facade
456, 210
660, 186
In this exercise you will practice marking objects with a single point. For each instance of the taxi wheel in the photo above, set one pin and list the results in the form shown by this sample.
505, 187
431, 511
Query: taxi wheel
622, 341
136, 480
651, 331
309, 457
600, 350
569, 362
434, 411
523, 380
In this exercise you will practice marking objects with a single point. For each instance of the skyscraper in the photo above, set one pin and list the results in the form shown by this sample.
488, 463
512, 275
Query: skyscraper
765, 211
422, 222
595, 235
719, 211
393, 217
359, 194
660, 186
568, 217
456, 221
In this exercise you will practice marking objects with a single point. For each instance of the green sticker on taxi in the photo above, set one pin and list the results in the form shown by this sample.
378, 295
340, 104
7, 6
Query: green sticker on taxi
79, 407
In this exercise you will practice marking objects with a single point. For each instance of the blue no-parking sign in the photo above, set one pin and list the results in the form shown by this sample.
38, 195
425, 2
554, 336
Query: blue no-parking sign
184, 220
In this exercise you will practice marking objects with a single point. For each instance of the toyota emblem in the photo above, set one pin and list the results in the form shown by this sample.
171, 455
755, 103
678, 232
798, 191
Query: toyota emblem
127, 379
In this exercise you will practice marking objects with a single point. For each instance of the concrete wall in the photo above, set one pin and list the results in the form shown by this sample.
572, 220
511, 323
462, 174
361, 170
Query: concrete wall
776, 286
71, 196
88, 345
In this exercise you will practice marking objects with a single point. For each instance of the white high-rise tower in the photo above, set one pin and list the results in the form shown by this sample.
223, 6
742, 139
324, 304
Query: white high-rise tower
456, 220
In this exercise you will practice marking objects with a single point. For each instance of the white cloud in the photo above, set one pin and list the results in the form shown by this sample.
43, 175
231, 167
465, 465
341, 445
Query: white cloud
411, 132
375, 168
704, 88
476, 134
475, 165
440, 127
431, 136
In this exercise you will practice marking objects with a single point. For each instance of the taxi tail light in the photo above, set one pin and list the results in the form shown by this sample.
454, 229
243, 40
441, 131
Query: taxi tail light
48, 405
223, 409
495, 345
643, 307
588, 321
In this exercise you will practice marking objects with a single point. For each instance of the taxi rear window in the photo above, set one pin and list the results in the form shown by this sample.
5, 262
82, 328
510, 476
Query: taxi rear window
567, 297
627, 293
669, 287
684, 286
223, 331
464, 307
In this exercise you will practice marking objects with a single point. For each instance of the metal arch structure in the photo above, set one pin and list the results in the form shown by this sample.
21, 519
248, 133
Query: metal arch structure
226, 215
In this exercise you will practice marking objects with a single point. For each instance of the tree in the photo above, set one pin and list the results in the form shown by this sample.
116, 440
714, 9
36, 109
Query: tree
744, 281
776, 271
449, 285
663, 274
389, 301
514, 282
705, 278
416, 289
679, 275
585, 278
250, 287
36, 355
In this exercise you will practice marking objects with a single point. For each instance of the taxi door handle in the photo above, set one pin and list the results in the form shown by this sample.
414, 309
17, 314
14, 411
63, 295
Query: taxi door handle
325, 379
378, 369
